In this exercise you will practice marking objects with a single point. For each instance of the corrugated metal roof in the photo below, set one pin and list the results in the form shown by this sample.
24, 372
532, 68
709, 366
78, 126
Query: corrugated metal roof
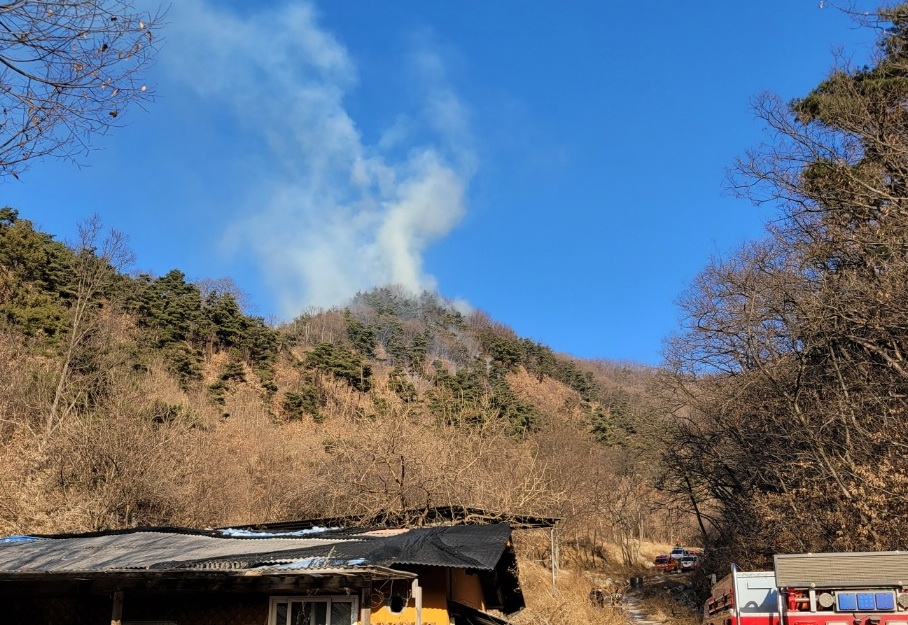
889, 568
137, 550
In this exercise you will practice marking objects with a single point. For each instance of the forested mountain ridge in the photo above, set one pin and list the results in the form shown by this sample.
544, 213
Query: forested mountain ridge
142, 400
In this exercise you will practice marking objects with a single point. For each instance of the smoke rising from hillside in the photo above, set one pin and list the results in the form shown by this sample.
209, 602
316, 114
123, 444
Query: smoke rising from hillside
332, 214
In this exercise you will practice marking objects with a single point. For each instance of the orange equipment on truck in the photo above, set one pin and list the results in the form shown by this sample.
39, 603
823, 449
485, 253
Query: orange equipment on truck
815, 589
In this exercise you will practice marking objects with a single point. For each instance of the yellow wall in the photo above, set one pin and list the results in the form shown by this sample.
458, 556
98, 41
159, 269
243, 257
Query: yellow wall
436, 583
466, 589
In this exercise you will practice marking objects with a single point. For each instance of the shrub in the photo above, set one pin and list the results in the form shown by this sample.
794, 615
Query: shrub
342, 364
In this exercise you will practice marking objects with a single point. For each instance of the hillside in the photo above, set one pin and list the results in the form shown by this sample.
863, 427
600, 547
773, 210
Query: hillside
148, 400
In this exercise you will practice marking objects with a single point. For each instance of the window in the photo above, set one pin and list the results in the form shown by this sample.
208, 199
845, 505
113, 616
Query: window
312, 611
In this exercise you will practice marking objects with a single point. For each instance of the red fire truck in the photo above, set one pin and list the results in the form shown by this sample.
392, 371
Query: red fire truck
815, 589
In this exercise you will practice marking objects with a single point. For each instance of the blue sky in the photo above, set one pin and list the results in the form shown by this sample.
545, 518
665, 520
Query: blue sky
557, 165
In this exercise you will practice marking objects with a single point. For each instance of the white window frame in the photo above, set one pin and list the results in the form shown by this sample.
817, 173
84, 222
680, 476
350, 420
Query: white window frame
351, 599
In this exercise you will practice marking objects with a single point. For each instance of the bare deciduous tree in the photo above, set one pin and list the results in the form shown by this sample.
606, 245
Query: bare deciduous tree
98, 261
68, 70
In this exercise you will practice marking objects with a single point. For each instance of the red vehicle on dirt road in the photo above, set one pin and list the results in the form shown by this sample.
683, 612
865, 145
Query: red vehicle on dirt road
664, 563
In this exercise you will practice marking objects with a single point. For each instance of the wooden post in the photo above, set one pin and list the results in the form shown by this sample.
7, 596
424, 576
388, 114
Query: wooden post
417, 598
116, 618
365, 605
553, 559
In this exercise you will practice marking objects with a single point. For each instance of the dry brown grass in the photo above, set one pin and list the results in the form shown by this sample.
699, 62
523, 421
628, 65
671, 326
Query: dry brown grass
650, 549
552, 397
565, 604
662, 599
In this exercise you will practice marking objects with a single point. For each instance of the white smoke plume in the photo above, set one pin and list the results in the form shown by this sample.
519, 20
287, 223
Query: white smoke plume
333, 215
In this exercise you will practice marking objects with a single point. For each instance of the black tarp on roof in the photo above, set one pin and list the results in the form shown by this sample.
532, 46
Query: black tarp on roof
485, 549
477, 547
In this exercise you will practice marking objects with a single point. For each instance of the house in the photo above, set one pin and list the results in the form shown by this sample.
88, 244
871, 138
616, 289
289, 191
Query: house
282, 574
